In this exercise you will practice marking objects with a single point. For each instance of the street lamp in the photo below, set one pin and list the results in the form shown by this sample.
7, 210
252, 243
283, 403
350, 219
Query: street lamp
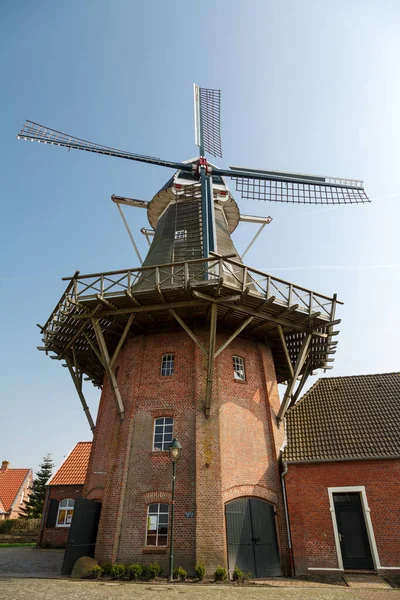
174, 453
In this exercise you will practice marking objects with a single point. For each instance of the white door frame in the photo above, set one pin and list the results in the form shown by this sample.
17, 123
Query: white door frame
367, 518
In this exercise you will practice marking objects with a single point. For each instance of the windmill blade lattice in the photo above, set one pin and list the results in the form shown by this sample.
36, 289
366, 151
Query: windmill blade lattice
275, 186
207, 117
40, 133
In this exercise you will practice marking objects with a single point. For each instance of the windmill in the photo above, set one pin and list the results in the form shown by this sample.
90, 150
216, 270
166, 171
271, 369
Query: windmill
195, 300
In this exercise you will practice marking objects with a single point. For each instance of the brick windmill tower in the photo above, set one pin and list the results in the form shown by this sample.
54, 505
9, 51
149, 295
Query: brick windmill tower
191, 345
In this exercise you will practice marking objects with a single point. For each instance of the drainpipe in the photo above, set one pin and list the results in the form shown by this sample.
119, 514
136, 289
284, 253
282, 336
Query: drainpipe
283, 475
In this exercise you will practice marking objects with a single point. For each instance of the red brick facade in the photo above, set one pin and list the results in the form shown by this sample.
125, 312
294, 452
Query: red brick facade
310, 516
232, 454
57, 537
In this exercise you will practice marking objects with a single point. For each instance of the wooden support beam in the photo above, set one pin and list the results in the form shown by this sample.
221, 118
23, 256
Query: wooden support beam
285, 350
80, 330
78, 386
189, 331
140, 309
301, 358
121, 340
93, 347
234, 334
211, 357
303, 380
106, 302
110, 373
233, 298
287, 311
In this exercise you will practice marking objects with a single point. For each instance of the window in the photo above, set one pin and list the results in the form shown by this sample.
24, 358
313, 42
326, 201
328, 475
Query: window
163, 427
238, 368
167, 365
65, 512
157, 525
180, 235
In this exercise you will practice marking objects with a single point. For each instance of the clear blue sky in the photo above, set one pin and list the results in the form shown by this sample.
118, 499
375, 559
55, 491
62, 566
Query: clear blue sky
307, 86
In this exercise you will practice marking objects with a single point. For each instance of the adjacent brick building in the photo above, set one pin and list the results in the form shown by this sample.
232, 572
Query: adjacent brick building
14, 490
63, 488
343, 474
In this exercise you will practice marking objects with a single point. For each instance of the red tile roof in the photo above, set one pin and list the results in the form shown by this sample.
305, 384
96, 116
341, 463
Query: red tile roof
74, 468
10, 484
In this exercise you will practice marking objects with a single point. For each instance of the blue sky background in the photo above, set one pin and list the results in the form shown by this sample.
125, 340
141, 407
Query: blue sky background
307, 86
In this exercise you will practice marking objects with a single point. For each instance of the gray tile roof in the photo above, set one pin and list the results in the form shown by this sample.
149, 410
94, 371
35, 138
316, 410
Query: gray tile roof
346, 417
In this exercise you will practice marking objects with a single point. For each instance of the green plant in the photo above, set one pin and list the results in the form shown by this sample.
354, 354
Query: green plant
6, 526
199, 571
134, 571
117, 570
239, 575
145, 572
220, 574
107, 569
180, 573
154, 570
96, 572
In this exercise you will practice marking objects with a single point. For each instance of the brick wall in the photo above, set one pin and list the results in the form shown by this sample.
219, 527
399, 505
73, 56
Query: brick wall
57, 537
310, 517
231, 454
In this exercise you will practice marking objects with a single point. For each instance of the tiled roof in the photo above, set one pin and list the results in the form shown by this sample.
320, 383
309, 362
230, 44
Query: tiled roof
73, 470
346, 417
10, 484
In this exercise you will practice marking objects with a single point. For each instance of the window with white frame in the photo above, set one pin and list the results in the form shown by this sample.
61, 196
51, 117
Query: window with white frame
238, 368
163, 427
181, 234
167, 364
157, 525
65, 512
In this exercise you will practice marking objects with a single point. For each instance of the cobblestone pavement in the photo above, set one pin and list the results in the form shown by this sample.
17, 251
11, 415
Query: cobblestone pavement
24, 561
64, 589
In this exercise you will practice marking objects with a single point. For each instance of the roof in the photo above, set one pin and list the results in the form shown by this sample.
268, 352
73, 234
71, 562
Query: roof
73, 469
352, 417
10, 484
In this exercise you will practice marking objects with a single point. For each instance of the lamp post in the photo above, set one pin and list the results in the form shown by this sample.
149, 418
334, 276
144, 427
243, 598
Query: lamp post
174, 453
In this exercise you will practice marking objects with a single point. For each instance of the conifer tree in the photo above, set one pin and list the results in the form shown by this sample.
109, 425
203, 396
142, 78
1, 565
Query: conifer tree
34, 506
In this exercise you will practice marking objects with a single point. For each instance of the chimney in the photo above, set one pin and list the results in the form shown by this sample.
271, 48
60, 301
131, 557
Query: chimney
4, 465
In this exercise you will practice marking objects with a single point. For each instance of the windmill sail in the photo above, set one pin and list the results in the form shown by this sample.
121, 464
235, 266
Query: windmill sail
207, 120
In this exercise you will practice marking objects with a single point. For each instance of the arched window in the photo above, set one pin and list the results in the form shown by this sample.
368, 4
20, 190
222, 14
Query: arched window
157, 525
65, 512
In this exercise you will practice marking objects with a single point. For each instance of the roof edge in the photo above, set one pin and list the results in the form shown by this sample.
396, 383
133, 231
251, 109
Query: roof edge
346, 459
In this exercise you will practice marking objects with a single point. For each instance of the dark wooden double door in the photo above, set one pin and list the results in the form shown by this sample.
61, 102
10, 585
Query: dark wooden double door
251, 537
353, 536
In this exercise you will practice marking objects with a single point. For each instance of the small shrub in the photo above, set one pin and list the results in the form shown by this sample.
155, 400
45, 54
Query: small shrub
96, 572
239, 575
154, 570
220, 574
6, 526
145, 572
199, 571
180, 573
117, 570
107, 569
135, 571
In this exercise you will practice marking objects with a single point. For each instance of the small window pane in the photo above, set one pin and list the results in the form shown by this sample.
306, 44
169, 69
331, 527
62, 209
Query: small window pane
169, 420
61, 517
168, 429
167, 365
157, 525
238, 368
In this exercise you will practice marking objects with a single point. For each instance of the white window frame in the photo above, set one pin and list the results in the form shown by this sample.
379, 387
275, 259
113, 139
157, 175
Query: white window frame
67, 507
164, 433
180, 235
239, 365
169, 364
367, 518
156, 545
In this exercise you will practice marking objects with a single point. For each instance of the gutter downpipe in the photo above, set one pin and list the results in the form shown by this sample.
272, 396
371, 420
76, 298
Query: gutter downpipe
283, 475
